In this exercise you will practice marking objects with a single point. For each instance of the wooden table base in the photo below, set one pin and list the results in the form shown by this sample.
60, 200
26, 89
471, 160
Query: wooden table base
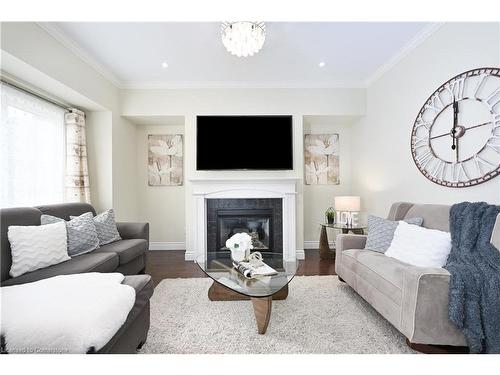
324, 248
261, 305
262, 309
219, 292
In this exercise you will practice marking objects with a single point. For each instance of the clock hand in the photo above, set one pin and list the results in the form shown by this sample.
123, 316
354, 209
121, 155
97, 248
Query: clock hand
455, 124
477, 126
455, 118
469, 128
441, 135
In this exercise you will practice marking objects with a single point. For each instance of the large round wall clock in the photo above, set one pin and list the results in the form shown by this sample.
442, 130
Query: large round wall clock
455, 139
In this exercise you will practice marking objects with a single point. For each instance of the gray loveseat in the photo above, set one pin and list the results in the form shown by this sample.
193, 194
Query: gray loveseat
127, 256
413, 299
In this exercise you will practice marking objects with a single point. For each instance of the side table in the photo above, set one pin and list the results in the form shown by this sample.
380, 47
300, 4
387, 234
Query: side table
324, 248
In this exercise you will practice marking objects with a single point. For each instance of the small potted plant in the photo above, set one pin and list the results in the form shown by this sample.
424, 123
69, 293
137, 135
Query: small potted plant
330, 215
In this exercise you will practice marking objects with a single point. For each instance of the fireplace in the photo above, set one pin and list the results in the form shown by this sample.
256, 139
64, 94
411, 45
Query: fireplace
209, 195
261, 218
257, 223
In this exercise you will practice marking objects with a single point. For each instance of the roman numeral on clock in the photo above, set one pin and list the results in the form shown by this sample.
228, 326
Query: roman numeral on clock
482, 79
421, 123
479, 161
424, 158
421, 141
435, 104
458, 172
495, 95
494, 146
439, 169
496, 121
457, 88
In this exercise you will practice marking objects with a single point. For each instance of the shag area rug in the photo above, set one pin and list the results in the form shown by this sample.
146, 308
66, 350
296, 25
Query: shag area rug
320, 315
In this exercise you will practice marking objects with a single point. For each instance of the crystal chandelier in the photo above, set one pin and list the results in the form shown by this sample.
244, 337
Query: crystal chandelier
243, 38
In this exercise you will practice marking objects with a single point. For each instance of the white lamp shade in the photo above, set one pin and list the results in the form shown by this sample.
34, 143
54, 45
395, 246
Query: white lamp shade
348, 203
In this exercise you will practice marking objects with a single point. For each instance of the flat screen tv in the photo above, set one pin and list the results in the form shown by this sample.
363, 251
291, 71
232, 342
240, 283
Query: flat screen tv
244, 142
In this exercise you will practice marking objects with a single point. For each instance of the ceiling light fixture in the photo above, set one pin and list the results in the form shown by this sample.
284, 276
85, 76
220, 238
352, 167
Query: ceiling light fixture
243, 38
321, 64
164, 65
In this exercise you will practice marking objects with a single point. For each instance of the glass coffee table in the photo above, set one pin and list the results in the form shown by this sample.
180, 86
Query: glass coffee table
230, 285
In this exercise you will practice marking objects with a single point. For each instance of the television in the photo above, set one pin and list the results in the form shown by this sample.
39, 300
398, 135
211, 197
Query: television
244, 143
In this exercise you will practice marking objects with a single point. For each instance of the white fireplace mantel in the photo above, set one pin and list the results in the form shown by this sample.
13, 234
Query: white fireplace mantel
260, 187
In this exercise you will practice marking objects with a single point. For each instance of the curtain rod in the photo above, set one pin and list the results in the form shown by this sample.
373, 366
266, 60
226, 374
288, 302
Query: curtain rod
34, 94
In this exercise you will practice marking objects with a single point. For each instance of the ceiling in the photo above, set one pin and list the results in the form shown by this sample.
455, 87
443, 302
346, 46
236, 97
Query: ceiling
131, 54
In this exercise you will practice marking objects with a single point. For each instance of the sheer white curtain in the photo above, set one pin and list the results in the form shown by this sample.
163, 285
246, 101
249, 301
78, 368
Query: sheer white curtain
32, 150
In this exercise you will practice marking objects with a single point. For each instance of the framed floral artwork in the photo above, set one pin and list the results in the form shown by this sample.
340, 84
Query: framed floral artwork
165, 160
321, 158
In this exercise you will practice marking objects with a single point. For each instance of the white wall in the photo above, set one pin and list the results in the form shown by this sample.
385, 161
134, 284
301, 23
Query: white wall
235, 101
383, 169
162, 206
124, 172
189, 103
317, 198
99, 134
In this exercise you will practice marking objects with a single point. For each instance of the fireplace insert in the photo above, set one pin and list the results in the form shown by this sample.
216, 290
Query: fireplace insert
257, 223
260, 218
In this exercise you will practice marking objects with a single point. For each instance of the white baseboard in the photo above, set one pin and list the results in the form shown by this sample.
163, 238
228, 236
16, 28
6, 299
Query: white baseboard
189, 255
167, 246
315, 244
300, 254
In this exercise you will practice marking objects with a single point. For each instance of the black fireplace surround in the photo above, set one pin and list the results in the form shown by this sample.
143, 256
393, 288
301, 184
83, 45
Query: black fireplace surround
262, 218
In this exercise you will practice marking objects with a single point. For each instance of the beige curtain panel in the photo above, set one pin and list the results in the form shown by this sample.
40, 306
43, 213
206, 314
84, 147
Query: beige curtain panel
77, 173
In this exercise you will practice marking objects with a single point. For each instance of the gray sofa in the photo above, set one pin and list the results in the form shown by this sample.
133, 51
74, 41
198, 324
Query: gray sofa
413, 299
127, 256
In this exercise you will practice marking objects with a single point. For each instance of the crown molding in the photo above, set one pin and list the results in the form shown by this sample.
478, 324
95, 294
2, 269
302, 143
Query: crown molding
67, 42
425, 33
240, 85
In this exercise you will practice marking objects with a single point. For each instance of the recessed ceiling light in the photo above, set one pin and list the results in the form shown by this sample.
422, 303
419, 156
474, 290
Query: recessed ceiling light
321, 64
164, 64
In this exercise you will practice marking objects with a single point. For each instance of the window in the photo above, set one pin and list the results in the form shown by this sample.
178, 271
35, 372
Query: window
32, 150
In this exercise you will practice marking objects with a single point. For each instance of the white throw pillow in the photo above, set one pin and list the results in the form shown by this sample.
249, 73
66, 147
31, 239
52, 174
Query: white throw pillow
35, 247
419, 246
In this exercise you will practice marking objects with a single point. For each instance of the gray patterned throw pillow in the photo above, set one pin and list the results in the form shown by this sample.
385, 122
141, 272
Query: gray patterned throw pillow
381, 232
106, 227
81, 231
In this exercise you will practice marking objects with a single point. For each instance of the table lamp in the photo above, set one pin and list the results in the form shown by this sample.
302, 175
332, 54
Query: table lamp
348, 204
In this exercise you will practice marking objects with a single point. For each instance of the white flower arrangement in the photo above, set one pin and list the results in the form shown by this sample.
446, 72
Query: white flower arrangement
240, 245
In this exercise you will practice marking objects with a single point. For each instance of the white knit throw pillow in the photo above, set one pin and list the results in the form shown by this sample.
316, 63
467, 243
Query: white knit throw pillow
35, 247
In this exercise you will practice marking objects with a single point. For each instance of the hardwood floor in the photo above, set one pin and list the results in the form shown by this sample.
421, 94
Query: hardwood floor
168, 264
313, 265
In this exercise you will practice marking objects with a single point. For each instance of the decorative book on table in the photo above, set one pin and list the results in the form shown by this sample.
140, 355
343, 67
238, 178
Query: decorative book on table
254, 269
